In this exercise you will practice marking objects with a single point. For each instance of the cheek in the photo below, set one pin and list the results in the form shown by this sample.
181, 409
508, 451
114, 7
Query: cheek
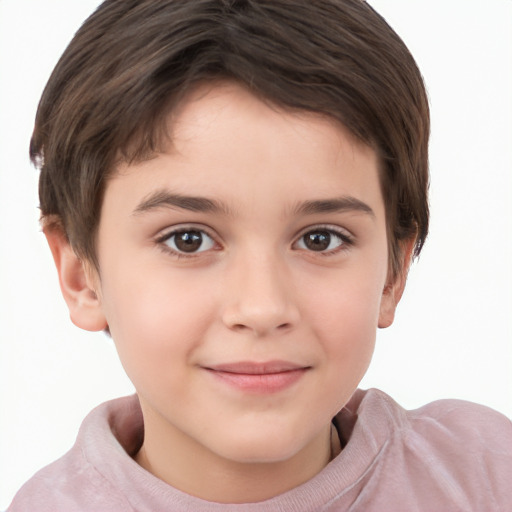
348, 329
347, 300
154, 320
345, 318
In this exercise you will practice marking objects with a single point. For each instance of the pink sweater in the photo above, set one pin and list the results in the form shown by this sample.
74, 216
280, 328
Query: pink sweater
447, 456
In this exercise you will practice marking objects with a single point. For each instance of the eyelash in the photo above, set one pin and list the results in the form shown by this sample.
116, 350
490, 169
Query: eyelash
346, 240
166, 237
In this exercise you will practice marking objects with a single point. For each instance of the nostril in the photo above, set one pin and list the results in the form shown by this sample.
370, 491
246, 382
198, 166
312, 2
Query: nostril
242, 327
262, 320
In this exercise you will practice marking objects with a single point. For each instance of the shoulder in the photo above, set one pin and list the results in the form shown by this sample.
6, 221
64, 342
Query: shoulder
76, 482
69, 484
446, 452
476, 430
463, 447
462, 422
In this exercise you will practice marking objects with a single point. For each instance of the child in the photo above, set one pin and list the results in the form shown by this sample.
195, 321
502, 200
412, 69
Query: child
234, 191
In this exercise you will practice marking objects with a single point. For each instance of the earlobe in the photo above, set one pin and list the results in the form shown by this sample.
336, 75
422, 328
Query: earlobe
75, 283
388, 306
393, 291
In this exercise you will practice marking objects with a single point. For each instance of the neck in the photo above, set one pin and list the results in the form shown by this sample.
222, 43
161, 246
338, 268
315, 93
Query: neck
192, 468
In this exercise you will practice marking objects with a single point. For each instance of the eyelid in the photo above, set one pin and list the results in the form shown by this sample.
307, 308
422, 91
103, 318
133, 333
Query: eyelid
171, 231
344, 234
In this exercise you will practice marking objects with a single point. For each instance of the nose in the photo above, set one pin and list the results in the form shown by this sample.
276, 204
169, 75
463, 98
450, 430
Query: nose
260, 297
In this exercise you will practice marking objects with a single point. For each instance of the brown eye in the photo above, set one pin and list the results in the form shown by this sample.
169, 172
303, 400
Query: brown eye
189, 241
318, 241
321, 240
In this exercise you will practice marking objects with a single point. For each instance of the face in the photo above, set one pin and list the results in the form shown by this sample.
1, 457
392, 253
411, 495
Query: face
243, 275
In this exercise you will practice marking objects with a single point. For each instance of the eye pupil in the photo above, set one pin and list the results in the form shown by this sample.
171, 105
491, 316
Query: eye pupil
188, 241
318, 240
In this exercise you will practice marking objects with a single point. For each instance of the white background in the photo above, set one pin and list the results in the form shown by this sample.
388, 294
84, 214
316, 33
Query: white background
453, 334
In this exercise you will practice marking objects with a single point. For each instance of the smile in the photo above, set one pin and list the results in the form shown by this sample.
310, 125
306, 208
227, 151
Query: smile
262, 378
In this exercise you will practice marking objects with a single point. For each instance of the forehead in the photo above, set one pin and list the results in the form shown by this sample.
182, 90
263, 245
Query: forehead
212, 109
223, 140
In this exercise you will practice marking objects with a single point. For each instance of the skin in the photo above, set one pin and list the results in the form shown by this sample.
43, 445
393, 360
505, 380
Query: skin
254, 290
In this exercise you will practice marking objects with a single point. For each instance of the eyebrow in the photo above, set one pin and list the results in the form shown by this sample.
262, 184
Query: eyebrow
166, 199
334, 205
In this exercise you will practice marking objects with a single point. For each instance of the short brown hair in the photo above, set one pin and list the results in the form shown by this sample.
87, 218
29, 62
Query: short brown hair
133, 60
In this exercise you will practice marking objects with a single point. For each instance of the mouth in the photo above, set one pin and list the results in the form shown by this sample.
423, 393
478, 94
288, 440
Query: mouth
259, 378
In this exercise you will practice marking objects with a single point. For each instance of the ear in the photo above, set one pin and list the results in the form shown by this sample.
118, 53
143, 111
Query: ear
393, 290
76, 282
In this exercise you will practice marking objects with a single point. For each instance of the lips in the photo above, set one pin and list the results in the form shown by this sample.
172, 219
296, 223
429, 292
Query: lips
256, 377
